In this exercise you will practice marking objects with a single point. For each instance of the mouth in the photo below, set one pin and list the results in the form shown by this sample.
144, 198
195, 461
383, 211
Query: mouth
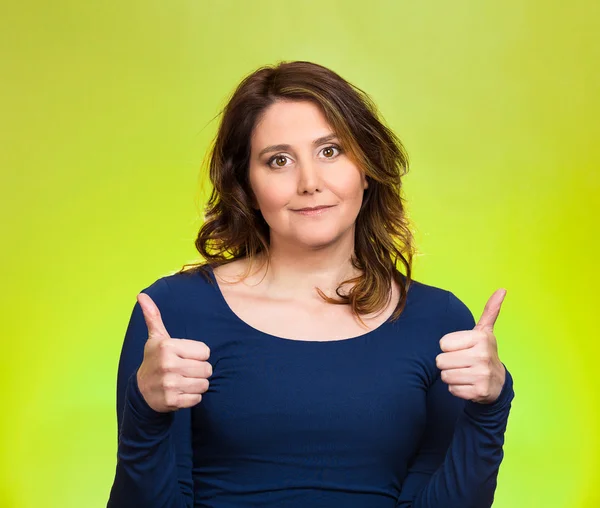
317, 210
309, 208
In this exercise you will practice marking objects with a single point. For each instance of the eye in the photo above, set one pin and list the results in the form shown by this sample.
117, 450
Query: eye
278, 158
330, 148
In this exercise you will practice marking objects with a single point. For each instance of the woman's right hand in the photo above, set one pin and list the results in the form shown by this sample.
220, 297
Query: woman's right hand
174, 373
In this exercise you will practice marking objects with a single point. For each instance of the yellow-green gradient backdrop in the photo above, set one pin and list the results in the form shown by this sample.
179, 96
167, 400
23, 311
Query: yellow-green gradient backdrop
106, 111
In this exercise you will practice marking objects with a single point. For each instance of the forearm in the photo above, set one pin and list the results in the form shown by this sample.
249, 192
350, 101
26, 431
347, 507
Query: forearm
467, 477
146, 473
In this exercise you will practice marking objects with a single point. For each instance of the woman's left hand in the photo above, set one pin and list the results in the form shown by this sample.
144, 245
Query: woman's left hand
470, 364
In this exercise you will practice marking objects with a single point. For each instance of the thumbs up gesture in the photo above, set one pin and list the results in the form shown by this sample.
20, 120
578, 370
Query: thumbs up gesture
174, 372
470, 364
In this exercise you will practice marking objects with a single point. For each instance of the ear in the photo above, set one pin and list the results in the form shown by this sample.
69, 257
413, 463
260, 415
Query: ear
365, 182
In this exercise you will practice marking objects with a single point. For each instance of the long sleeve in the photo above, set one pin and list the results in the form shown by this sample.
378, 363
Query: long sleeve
154, 455
460, 453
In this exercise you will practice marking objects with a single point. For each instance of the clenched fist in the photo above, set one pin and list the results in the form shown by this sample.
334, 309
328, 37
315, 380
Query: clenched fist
174, 373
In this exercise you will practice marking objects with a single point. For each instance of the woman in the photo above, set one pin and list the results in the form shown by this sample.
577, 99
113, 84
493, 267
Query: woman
299, 367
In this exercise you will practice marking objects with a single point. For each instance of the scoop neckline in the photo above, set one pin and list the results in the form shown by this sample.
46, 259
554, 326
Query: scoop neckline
228, 308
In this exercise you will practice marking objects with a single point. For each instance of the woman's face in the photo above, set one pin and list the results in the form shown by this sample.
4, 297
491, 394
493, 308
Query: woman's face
308, 171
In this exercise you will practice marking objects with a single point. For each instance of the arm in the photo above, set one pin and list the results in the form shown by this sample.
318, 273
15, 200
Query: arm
154, 456
461, 449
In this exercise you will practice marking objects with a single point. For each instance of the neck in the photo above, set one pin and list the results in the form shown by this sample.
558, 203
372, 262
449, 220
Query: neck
293, 274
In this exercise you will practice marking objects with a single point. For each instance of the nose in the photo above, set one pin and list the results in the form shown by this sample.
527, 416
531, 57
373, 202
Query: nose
309, 178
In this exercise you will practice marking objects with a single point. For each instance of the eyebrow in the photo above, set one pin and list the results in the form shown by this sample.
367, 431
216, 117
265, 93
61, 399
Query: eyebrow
316, 142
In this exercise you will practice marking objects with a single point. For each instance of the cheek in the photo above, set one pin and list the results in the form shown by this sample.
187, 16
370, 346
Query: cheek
347, 184
272, 194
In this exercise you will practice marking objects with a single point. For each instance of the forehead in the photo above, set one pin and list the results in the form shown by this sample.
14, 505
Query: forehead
287, 122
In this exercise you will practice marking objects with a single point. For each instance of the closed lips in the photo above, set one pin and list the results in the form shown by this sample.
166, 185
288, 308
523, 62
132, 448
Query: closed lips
315, 208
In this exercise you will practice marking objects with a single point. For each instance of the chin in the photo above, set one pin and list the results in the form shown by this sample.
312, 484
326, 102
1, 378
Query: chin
315, 241
314, 236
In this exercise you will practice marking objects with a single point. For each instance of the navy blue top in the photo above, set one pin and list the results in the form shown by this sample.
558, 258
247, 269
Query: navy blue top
360, 422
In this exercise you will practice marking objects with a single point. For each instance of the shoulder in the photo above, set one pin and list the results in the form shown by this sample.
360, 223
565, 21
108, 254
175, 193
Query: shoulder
176, 291
425, 300
181, 297
440, 305
176, 284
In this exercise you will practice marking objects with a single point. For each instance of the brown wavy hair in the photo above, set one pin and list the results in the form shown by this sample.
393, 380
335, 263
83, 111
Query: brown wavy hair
234, 229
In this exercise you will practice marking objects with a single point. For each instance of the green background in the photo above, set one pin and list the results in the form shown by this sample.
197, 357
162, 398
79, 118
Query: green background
107, 111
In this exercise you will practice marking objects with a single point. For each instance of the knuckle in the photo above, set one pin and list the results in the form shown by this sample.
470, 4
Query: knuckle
483, 392
483, 356
164, 346
168, 383
479, 335
165, 367
163, 353
171, 400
